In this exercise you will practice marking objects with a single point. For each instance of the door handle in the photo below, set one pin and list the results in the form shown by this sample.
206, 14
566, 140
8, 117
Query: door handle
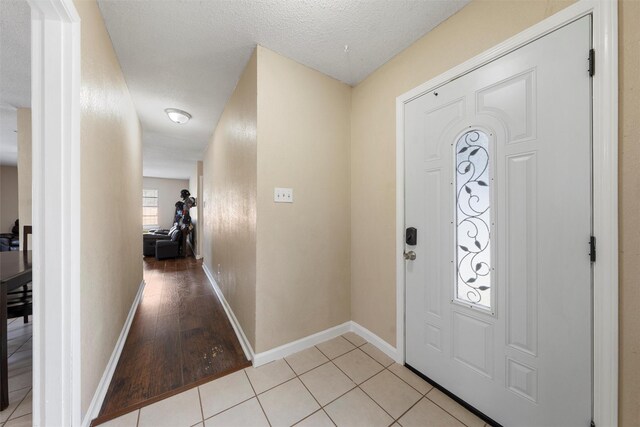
411, 255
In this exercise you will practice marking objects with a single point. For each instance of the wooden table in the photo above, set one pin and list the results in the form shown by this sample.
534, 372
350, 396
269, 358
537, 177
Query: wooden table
15, 271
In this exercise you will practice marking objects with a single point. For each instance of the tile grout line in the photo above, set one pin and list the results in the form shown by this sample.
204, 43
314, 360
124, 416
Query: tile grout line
22, 345
385, 367
230, 407
256, 396
300, 379
368, 378
312, 395
410, 408
309, 391
351, 379
277, 385
435, 403
342, 354
200, 401
358, 386
330, 419
342, 395
357, 346
309, 416
19, 403
421, 393
21, 416
29, 387
374, 401
309, 370
341, 371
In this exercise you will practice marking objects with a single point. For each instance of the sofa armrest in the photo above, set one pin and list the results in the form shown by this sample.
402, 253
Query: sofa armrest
167, 249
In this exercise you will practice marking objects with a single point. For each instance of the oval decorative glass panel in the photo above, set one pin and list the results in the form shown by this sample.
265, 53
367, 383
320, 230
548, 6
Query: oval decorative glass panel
473, 220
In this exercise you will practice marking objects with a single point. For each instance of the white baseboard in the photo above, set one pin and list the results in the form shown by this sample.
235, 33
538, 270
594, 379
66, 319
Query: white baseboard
299, 345
317, 338
285, 350
199, 257
381, 344
244, 342
103, 385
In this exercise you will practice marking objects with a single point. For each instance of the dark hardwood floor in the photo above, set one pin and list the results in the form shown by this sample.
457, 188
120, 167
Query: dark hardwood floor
180, 338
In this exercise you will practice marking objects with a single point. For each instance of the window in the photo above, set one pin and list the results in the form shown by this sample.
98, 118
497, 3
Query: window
473, 220
149, 208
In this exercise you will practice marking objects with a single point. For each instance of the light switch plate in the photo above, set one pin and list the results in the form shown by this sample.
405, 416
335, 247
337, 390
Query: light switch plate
283, 195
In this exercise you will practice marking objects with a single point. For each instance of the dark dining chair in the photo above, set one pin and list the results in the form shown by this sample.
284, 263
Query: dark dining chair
25, 233
20, 303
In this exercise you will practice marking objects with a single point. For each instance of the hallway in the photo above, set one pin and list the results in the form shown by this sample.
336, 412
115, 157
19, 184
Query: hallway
180, 337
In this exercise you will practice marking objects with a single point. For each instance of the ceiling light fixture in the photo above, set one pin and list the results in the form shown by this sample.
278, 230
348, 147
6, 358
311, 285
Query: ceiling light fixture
178, 116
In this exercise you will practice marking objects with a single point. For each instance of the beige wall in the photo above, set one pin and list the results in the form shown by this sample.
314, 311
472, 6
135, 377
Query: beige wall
229, 201
196, 213
287, 276
477, 27
629, 50
24, 171
303, 247
168, 195
8, 197
111, 188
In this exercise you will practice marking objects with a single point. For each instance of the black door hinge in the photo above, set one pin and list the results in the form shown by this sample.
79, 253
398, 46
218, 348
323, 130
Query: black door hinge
592, 62
592, 248
593, 424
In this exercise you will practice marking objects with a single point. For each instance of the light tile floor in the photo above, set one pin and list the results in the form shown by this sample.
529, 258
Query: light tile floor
19, 350
345, 381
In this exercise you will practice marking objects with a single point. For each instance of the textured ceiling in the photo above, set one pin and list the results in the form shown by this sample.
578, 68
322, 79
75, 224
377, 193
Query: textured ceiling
190, 54
15, 72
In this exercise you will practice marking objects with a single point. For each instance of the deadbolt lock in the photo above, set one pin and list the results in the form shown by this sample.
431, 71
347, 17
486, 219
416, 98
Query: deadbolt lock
411, 255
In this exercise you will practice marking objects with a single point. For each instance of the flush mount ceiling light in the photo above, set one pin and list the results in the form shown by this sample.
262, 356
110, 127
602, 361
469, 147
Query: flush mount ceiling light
177, 116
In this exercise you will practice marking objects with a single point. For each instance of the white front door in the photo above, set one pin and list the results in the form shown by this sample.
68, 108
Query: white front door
498, 187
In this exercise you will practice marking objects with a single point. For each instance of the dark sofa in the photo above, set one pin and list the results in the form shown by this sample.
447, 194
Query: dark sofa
161, 244
149, 243
9, 242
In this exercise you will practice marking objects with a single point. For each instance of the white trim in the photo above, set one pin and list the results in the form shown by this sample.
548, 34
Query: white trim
605, 186
400, 245
299, 345
285, 350
244, 342
55, 94
320, 337
381, 344
605, 213
103, 386
259, 359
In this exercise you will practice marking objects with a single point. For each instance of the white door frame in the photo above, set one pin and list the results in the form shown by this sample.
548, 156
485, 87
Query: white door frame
605, 187
55, 94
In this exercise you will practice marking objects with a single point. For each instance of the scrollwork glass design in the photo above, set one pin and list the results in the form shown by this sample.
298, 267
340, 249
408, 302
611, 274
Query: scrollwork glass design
473, 220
